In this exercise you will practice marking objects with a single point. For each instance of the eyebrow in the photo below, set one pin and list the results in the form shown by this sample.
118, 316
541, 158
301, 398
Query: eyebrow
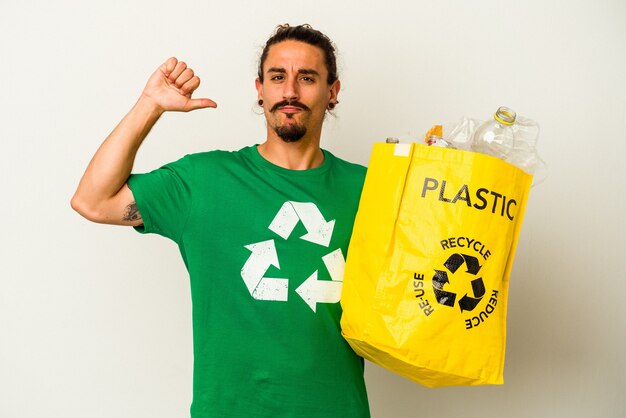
306, 71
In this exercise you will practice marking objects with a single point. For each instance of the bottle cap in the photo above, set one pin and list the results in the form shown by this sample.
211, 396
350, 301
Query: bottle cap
505, 116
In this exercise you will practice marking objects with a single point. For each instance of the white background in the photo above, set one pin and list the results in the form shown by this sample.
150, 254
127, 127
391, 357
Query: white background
95, 320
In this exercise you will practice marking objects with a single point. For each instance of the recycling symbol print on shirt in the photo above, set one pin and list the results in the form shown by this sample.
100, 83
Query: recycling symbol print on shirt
263, 255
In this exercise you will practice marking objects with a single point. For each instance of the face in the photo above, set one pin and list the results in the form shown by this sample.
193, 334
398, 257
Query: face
295, 90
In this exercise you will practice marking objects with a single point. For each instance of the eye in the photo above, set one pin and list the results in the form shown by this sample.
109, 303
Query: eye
277, 78
307, 79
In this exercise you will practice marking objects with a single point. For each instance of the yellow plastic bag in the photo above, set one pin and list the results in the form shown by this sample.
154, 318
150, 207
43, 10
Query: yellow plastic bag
426, 280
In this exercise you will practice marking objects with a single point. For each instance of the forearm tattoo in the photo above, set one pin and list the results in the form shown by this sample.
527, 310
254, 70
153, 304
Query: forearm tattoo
131, 213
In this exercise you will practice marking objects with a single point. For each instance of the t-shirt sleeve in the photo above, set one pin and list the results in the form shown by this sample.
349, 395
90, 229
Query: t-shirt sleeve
164, 198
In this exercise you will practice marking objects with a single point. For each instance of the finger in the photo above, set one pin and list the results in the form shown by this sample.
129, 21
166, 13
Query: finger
193, 104
184, 77
168, 66
180, 67
190, 86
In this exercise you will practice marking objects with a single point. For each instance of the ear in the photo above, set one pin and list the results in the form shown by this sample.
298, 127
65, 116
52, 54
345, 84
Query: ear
334, 91
259, 88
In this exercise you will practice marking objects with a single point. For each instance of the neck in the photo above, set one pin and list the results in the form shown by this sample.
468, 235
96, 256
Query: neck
300, 155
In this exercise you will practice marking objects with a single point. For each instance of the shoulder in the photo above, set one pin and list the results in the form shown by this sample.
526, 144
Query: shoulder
346, 167
209, 156
215, 158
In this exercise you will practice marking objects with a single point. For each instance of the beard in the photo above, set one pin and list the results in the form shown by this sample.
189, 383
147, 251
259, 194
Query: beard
290, 133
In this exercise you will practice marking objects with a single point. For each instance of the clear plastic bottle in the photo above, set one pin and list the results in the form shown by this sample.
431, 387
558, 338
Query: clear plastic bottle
496, 137
438, 141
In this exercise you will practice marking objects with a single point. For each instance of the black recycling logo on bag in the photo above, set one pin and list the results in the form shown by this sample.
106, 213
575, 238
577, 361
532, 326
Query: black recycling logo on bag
452, 265
457, 281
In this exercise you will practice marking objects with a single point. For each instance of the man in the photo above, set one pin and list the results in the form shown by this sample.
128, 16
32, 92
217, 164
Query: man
263, 232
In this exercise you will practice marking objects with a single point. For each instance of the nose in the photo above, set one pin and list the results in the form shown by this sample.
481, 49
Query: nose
290, 91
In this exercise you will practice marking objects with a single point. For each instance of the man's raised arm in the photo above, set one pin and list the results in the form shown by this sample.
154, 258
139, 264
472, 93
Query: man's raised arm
102, 195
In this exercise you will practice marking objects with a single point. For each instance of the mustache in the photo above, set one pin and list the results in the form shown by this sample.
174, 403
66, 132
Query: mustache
289, 103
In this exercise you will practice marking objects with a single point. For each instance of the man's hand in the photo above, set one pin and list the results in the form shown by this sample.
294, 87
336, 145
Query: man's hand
171, 86
102, 194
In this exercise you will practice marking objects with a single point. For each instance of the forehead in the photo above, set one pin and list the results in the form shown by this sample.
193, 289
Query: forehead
295, 55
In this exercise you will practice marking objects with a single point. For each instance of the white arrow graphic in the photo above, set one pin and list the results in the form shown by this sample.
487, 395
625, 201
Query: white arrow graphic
263, 288
318, 230
314, 291
335, 264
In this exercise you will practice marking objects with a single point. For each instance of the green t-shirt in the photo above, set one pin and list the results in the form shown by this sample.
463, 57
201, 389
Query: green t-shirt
265, 248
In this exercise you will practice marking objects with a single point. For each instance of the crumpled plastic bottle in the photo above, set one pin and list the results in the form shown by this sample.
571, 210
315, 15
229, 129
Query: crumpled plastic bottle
524, 152
496, 136
434, 138
515, 143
